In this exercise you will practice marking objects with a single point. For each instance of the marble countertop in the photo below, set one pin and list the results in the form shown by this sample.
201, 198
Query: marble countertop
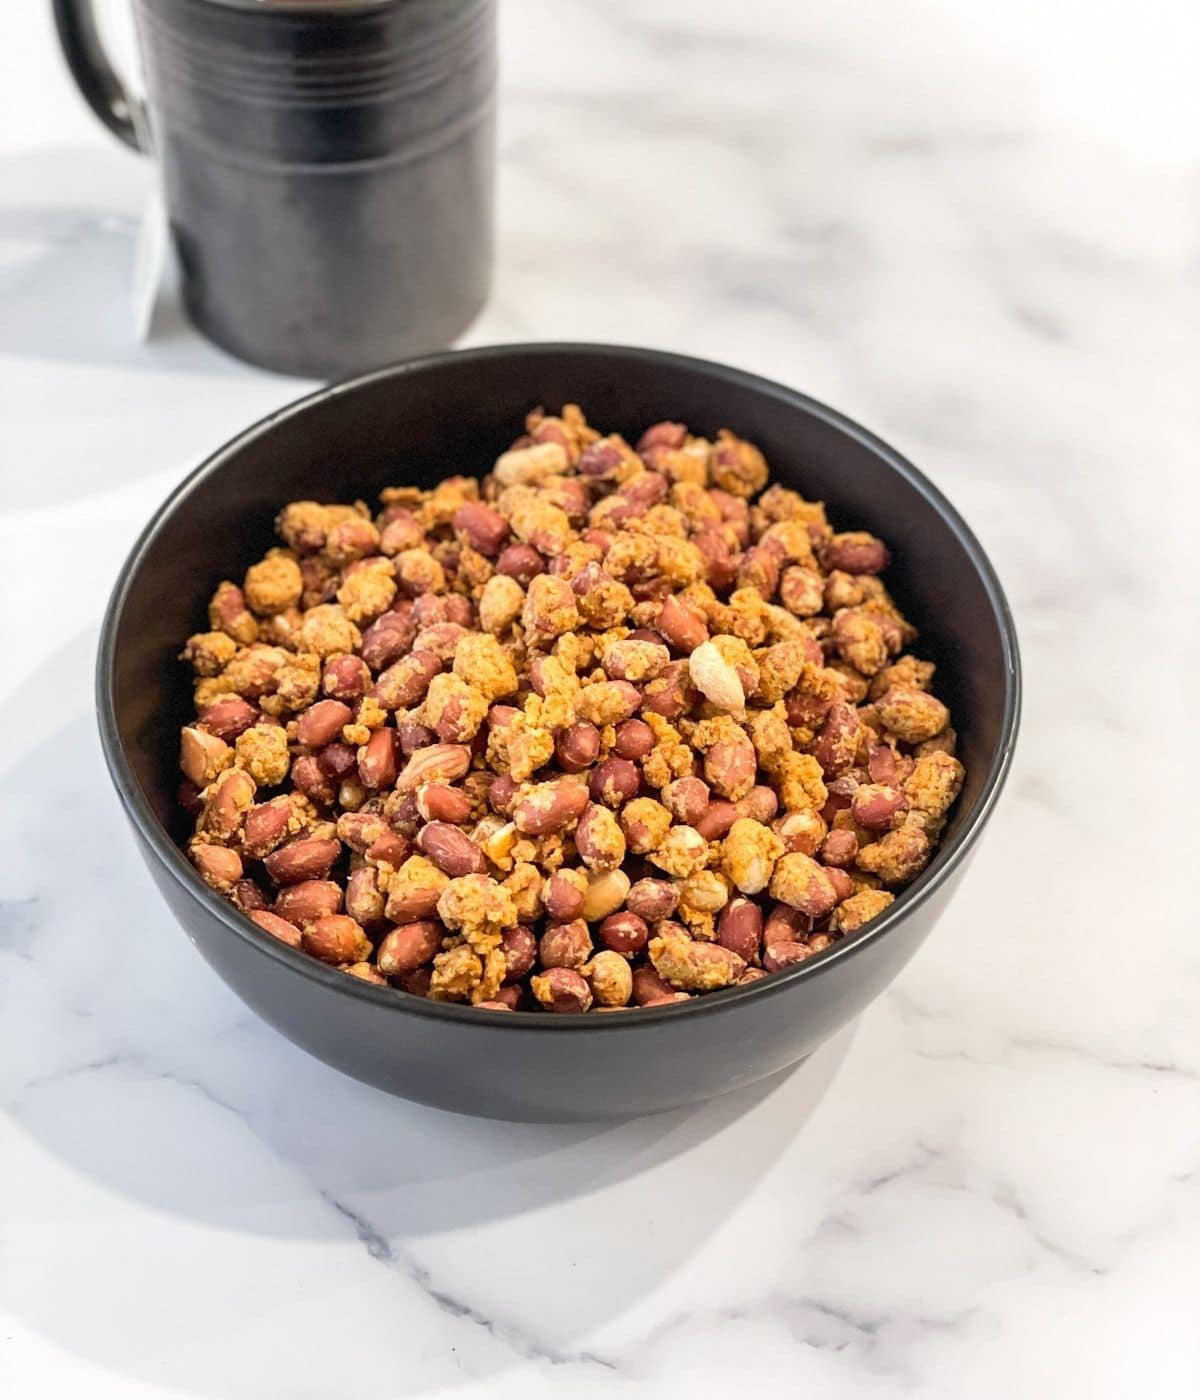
971, 227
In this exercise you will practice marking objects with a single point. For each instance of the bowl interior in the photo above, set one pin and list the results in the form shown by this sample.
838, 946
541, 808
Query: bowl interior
454, 414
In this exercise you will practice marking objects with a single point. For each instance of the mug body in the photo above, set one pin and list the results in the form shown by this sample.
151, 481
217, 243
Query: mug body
328, 172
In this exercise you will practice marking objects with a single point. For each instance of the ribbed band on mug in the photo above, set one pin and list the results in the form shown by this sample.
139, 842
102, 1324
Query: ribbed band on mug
321, 85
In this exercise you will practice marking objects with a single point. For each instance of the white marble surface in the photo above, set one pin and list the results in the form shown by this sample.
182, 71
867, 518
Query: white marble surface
971, 226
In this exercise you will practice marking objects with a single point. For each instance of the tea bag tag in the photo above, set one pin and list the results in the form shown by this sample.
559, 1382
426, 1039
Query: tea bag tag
149, 263
153, 242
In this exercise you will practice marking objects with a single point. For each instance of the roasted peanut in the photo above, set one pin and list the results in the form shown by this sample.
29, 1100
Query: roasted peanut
248, 896
418, 983
687, 800
843, 885
800, 831
855, 552
409, 946
228, 718
784, 953
606, 892
520, 562
500, 604
839, 848
690, 966
401, 530
803, 884
897, 857
549, 807
413, 891
625, 933
437, 802
749, 855
717, 819
715, 678
912, 715
801, 590
411, 736
228, 613
562, 989
439, 763
268, 824
484, 528
226, 804
610, 979
385, 641
338, 762
202, 756
364, 972
533, 464
406, 681
577, 747
838, 742
309, 778
740, 928
681, 853
760, 804
392, 849
565, 945
335, 938
377, 760
345, 678
505, 999
653, 900
644, 823
614, 782
649, 989
599, 838
670, 695
549, 609
634, 740
635, 661
502, 794
451, 850
874, 806
308, 900
305, 859
219, 867
520, 952
364, 899
321, 723
563, 895
277, 927
680, 626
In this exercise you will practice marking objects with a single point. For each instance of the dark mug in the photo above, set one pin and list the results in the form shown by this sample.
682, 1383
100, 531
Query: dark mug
328, 167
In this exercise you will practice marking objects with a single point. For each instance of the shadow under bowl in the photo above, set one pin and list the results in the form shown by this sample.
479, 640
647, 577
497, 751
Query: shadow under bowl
412, 424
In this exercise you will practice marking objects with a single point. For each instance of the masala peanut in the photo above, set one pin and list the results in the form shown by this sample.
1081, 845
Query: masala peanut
611, 727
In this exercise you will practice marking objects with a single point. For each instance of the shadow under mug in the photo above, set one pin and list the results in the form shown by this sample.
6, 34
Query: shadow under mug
328, 167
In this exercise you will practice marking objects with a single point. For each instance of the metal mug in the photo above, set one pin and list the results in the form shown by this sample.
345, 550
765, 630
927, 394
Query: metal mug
328, 167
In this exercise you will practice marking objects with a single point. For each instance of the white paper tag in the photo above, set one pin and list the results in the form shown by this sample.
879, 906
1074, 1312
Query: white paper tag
153, 245
149, 262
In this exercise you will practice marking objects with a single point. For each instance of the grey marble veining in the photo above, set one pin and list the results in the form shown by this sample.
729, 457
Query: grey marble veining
971, 227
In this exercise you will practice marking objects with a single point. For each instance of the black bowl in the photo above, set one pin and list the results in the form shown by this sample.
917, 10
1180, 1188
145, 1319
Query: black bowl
415, 423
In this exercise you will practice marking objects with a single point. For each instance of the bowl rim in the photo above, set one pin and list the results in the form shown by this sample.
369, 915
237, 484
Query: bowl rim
173, 860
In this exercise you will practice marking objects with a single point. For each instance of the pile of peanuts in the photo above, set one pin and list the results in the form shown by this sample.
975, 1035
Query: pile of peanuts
591, 733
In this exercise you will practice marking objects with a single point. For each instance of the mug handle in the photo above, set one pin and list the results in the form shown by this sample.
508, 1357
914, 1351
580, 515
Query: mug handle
94, 75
